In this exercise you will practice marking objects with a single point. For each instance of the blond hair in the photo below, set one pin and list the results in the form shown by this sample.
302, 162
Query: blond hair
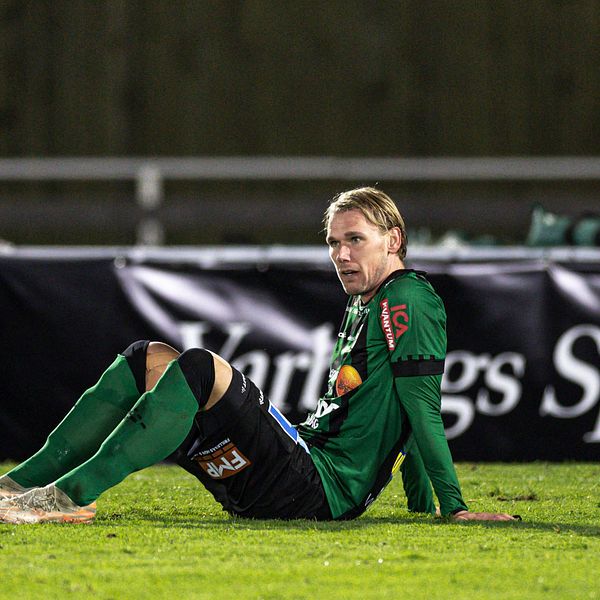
376, 206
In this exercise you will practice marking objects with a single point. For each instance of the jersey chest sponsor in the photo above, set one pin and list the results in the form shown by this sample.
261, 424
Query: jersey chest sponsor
394, 322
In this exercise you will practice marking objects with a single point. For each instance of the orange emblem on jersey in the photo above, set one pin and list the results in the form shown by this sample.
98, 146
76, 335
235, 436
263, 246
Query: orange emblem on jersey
347, 379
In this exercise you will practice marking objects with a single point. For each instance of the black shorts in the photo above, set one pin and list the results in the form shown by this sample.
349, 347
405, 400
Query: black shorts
251, 458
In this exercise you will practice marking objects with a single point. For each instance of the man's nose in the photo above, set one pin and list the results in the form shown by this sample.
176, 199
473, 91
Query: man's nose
344, 253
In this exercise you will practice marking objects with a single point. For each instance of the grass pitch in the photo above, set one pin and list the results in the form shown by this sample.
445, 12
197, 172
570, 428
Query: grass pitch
160, 535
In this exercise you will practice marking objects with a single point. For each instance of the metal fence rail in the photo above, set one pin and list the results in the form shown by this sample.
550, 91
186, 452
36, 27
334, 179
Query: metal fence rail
263, 256
150, 173
305, 167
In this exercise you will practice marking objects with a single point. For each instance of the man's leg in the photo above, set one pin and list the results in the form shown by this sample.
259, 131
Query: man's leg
79, 435
152, 430
251, 459
156, 425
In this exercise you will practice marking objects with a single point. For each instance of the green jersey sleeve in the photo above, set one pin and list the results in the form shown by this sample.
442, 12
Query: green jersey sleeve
413, 321
416, 481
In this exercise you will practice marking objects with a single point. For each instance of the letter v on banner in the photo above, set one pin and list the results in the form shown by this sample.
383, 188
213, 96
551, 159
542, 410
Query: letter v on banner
394, 322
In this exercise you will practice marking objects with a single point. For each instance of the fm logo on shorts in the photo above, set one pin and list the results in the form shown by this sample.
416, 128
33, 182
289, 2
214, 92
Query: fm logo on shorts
224, 462
394, 322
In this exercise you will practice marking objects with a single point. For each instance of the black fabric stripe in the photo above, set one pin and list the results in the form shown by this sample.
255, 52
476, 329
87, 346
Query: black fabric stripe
136, 360
416, 367
198, 368
318, 440
398, 273
338, 416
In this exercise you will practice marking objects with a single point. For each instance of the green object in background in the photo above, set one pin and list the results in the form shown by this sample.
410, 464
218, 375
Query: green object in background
587, 231
549, 229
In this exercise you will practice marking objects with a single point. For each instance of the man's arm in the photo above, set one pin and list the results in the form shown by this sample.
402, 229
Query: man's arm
417, 486
421, 402
419, 396
417, 360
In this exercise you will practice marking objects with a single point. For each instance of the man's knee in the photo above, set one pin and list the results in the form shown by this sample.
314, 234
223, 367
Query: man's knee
207, 375
158, 353
148, 361
158, 357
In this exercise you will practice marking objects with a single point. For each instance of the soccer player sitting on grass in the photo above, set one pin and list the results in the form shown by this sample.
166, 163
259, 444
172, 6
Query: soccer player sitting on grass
381, 412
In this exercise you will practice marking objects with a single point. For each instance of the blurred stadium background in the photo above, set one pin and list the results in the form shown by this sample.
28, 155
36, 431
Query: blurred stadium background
352, 79
229, 124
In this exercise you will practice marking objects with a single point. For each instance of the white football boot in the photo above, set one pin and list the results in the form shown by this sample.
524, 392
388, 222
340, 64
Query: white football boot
45, 505
9, 488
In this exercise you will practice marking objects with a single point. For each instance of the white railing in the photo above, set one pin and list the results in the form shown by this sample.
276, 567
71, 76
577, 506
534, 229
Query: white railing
263, 256
149, 174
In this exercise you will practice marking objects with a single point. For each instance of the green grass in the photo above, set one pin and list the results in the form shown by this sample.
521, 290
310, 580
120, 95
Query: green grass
160, 535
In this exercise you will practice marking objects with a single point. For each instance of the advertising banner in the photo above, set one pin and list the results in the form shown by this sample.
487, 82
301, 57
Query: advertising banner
522, 378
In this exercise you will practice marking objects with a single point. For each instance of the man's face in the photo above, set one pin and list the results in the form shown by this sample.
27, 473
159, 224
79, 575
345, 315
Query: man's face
363, 256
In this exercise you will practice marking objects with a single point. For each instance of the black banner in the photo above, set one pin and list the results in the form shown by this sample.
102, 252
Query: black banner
522, 377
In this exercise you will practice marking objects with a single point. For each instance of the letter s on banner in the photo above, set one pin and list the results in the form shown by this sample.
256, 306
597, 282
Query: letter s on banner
580, 373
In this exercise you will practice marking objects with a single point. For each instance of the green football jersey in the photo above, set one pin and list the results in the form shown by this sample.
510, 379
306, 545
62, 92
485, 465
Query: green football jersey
383, 402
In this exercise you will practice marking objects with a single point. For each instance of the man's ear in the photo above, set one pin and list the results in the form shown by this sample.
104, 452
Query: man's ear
394, 240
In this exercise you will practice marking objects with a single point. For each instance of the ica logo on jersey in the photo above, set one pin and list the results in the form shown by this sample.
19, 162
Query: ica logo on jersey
394, 322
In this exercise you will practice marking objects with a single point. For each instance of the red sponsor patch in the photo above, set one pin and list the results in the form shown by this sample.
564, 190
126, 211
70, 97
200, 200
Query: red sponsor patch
224, 462
394, 322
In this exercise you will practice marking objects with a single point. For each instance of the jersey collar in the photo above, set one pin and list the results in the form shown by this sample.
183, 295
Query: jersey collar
394, 275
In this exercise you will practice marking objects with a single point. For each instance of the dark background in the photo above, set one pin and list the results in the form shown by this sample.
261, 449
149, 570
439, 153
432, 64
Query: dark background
67, 317
342, 78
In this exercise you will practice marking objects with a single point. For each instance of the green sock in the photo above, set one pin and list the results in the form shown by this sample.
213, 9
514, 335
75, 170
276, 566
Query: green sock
79, 435
154, 428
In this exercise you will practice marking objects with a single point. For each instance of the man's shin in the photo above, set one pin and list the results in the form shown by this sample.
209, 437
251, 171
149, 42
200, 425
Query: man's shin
79, 435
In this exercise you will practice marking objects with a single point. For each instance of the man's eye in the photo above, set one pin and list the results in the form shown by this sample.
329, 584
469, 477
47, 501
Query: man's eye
356, 239
333, 244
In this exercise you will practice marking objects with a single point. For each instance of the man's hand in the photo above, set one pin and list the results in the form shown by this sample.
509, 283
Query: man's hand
465, 515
